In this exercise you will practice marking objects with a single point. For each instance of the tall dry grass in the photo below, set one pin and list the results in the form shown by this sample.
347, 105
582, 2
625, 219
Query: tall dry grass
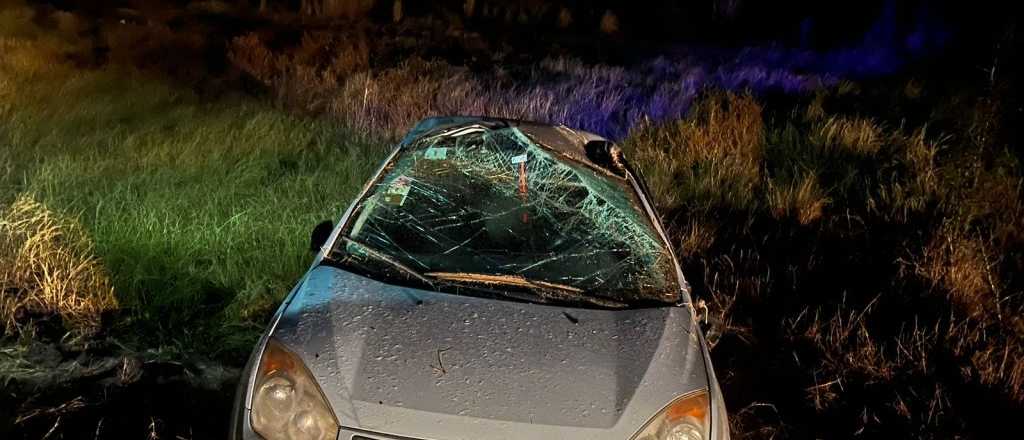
964, 266
48, 267
332, 73
804, 200
712, 158
870, 266
857, 135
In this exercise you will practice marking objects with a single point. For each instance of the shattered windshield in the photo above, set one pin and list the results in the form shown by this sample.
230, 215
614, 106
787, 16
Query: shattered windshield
491, 207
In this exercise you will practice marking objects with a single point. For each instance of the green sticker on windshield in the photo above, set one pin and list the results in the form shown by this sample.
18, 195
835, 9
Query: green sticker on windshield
436, 153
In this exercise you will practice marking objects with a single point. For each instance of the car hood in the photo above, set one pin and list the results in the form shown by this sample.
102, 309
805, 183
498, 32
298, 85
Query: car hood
421, 364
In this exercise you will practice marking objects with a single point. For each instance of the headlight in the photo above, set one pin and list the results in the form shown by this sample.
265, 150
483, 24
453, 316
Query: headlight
686, 418
286, 401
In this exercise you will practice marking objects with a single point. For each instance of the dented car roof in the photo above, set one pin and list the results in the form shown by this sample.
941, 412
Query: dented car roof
564, 140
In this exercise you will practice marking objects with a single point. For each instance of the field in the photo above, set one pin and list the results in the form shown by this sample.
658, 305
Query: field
858, 243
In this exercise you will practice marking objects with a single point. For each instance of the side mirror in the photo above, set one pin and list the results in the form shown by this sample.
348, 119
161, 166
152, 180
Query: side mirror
321, 232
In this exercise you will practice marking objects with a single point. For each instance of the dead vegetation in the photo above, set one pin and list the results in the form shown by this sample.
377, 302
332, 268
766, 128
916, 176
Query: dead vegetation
381, 89
47, 268
711, 158
962, 265
873, 268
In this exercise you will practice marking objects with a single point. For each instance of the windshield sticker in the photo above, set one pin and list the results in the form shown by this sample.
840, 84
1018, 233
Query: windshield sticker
398, 191
436, 153
519, 159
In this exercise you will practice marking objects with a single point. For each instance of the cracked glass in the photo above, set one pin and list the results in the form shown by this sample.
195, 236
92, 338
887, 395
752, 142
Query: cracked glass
494, 207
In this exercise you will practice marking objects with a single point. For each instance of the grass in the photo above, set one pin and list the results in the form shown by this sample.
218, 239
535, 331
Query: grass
860, 263
342, 75
48, 268
199, 211
711, 158
871, 268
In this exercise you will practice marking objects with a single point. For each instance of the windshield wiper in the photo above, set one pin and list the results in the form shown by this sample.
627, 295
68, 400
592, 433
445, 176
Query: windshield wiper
380, 256
546, 290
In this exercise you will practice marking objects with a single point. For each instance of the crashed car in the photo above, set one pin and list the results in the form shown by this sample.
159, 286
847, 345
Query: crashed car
495, 280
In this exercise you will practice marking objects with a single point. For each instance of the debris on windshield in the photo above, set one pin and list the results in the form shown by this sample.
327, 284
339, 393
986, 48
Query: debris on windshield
509, 280
495, 206
397, 192
359, 248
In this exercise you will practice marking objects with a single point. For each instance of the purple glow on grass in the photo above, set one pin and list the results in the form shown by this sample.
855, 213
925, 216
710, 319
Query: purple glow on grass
663, 90
611, 100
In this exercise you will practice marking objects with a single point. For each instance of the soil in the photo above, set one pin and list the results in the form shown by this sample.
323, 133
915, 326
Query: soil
101, 391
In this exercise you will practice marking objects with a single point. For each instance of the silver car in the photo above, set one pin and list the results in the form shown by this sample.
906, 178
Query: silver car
495, 280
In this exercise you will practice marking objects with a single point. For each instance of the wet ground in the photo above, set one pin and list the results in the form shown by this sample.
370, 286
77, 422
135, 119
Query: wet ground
60, 392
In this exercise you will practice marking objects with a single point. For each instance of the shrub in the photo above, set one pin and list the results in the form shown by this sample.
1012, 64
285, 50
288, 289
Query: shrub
157, 47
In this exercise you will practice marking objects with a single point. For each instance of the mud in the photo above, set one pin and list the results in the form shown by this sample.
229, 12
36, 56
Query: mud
58, 392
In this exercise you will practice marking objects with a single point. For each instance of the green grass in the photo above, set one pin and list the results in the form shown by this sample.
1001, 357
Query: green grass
199, 210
